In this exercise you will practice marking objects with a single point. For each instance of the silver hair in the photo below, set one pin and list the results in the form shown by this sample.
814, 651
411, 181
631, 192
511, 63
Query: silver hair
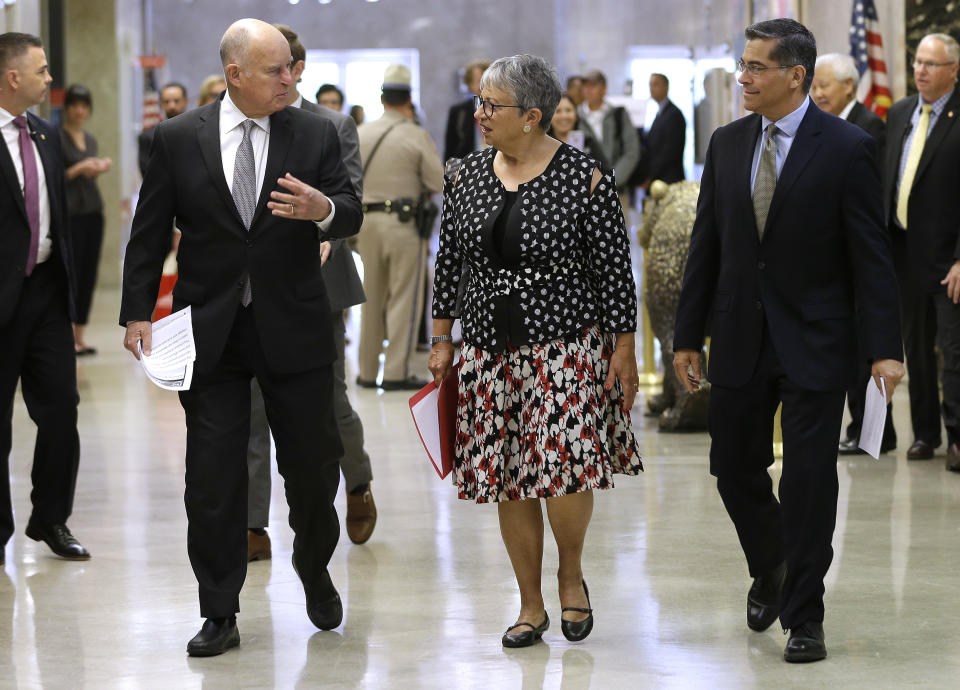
950, 45
234, 45
844, 67
531, 80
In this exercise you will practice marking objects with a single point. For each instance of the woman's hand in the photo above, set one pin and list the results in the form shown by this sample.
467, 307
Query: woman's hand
623, 367
441, 360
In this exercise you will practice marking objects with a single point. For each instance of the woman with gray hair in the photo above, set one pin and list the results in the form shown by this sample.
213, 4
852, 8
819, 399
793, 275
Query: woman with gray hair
548, 373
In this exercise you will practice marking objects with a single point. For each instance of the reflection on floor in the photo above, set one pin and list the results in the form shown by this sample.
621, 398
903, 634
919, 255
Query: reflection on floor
428, 597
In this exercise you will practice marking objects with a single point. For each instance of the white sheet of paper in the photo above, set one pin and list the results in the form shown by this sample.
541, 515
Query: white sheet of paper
426, 416
172, 352
874, 417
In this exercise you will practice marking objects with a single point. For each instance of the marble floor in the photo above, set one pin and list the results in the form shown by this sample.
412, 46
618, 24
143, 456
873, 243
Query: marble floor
428, 597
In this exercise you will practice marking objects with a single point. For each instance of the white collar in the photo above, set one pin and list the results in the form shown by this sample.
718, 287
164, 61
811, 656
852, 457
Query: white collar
845, 113
231, 117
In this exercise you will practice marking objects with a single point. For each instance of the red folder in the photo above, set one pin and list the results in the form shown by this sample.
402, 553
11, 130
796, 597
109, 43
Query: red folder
434, 412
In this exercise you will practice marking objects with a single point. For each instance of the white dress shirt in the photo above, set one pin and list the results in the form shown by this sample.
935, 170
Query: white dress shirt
845, 113
594, 118
11, 136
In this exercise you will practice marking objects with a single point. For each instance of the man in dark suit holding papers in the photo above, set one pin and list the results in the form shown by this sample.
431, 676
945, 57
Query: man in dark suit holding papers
788, 239
255, 187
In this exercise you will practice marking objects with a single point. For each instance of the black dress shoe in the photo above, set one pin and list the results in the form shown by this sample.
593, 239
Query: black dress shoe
59, 539
216, 636
324, 608
953, 457
525, 638
920, 450
409, 384
578, 630
805, 644
364, 383
850, 446
763, 599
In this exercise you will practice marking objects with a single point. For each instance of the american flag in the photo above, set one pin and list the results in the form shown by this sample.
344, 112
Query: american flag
866, 47
151, 100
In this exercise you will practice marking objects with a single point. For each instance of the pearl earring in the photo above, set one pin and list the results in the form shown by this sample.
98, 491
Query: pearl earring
526, 129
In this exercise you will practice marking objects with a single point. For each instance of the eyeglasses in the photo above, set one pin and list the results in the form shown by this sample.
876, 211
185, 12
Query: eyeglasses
930, 66
755, 69
489, 108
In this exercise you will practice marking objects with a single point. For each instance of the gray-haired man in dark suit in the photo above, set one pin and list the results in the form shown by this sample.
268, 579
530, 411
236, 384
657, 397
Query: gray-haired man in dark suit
344, 290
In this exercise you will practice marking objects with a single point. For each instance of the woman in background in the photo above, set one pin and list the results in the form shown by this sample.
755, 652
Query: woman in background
84, 204
565, 127
210, 89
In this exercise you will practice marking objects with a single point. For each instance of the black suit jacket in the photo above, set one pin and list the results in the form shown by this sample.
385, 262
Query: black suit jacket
461, 131
185, 180
933, 216
144, 142
824, 250
665, 143
871, 123
14, 227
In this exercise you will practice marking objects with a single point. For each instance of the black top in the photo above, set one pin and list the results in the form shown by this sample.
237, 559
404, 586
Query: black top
83, 197
563, 262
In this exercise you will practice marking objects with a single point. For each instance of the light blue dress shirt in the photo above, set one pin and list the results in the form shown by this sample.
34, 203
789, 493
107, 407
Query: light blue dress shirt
788, 126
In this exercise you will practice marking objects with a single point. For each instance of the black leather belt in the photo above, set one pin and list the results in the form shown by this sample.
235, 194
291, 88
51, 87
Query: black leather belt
403, 207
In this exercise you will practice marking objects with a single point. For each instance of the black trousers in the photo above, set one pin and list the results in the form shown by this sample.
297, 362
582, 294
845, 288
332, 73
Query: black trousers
929, 319
799, 527
300, 411
87, 235
36, 349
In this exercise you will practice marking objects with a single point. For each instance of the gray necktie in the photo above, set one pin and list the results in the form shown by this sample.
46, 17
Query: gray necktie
245, 192
766, 179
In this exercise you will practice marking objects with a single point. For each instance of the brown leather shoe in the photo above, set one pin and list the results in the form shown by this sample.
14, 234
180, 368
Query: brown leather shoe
953, 457
920, 450
258, 547
361, 516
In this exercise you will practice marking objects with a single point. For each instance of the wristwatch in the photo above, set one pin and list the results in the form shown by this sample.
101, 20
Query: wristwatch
434, 339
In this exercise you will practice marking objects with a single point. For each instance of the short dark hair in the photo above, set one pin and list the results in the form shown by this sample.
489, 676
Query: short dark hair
174, 85
13, 44
77, 93
297, 51
329, 88
795, 45
666, 81
395, 96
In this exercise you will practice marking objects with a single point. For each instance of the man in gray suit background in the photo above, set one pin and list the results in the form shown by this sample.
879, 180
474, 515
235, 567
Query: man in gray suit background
344, 290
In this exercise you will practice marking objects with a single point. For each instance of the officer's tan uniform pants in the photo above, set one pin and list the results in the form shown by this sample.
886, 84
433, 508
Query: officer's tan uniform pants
394, 261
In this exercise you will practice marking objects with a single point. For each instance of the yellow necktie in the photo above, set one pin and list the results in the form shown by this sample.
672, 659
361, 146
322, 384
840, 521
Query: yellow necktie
913, 160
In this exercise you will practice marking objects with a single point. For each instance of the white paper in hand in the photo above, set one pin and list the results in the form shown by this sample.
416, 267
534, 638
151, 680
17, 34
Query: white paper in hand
172, 352
874, 417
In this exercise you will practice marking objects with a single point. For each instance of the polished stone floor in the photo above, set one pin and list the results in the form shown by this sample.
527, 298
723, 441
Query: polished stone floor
428, 597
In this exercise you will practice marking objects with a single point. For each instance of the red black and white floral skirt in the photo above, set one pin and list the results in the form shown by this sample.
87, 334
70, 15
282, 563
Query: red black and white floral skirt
535, 421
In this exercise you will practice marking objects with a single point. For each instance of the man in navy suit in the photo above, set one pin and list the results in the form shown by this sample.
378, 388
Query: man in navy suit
788, 240
36, 299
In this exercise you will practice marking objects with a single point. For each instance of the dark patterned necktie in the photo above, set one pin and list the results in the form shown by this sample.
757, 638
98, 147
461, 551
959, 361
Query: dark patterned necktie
245, 192
766, 180
31, 190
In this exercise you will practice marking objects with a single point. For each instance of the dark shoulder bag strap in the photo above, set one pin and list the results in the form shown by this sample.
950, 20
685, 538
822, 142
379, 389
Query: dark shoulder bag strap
377, 145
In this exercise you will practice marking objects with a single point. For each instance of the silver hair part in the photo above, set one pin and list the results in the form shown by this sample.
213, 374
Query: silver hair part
950, 45
844, 67
531, 80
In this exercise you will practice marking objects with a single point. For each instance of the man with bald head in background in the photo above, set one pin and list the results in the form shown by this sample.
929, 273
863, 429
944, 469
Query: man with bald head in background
255, 188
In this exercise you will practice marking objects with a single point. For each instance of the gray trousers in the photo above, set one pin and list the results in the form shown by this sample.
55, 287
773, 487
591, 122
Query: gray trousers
355, 464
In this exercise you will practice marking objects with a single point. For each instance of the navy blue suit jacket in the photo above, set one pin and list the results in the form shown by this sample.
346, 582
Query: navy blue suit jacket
824, 255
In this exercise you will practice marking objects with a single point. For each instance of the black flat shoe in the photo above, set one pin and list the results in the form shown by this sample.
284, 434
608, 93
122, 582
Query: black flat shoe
215, 637
763, 599
409, 384
806, 644
578, 630
364, 383
59, 539
525, 638
324, 607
